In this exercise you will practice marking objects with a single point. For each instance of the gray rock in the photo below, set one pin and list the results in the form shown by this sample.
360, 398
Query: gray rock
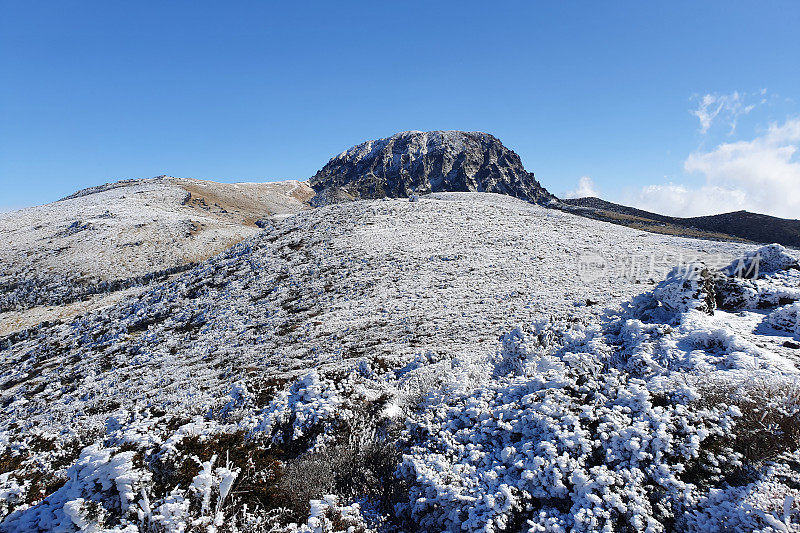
734, 294
421, 162
687, 287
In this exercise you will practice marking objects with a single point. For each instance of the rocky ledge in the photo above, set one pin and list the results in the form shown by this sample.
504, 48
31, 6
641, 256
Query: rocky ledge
420, 162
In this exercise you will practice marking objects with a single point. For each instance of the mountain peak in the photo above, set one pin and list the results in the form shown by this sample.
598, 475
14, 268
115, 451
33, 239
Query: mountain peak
433, 161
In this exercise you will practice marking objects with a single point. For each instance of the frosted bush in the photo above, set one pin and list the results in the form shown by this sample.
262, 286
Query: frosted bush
11, 493
563, 447
686, 288
209, 484
106, 491
786, 318
778, 289
171, 514
305, 406
201, 506
697, 343
736, 293
765, 260
329, 516
773, 289
101, 484
769, 504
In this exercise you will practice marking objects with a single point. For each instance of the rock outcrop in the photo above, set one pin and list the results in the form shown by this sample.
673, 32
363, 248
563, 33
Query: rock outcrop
422, 162
687, 287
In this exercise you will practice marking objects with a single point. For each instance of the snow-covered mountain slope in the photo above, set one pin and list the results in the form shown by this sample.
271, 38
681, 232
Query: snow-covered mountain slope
462, 361
422, 162
60, 252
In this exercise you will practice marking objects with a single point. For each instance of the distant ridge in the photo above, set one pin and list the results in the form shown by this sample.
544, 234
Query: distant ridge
739, 224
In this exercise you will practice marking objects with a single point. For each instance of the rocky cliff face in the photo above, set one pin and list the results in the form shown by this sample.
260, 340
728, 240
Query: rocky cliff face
422, 162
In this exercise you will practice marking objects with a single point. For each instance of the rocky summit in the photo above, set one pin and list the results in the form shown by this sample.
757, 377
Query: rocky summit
422, 162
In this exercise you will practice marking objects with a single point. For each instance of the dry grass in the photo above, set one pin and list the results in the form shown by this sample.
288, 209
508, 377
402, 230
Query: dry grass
770, 421
278, 481
652, 226
243, 203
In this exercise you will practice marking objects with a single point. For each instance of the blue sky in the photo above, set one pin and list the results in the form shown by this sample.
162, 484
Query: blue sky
249, 91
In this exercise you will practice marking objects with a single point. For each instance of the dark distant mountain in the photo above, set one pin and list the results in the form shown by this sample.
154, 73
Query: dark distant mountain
737, 225
422, 162
597, 203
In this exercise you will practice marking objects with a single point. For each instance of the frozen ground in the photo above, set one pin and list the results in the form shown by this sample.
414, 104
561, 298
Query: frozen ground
105, 237
470, 360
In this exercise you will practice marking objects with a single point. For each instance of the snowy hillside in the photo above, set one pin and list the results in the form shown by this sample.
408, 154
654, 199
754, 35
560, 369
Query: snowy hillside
98, 239
467, 361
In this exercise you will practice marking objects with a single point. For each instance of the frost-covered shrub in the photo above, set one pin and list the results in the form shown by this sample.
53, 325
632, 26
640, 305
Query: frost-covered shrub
696, 343
305, 410
328, 516
356, 462
318, 441
560, 448
757, 279
12, 493
786, 318
207, 474
642, 350
770, 504
113, 489
102, 485
705, 345
201, 505
773, 289
735, 293
354, 473
653, 337
779, 289
765, 260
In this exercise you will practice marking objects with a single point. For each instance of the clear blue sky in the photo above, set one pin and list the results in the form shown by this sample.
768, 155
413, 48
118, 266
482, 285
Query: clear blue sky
253, 91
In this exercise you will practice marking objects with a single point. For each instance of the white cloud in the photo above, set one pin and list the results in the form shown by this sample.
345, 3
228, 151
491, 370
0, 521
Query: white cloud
679, 200
724, 106
585, 188
760, 175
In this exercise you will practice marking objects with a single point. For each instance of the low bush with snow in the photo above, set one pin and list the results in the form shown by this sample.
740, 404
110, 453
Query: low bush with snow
563, 441
561, 447
764, 260
786, 318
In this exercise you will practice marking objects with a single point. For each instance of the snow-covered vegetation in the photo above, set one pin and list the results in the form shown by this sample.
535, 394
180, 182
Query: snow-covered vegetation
128, 233
447, 364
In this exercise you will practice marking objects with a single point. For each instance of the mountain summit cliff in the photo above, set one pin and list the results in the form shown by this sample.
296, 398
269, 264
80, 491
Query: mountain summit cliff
422, 162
